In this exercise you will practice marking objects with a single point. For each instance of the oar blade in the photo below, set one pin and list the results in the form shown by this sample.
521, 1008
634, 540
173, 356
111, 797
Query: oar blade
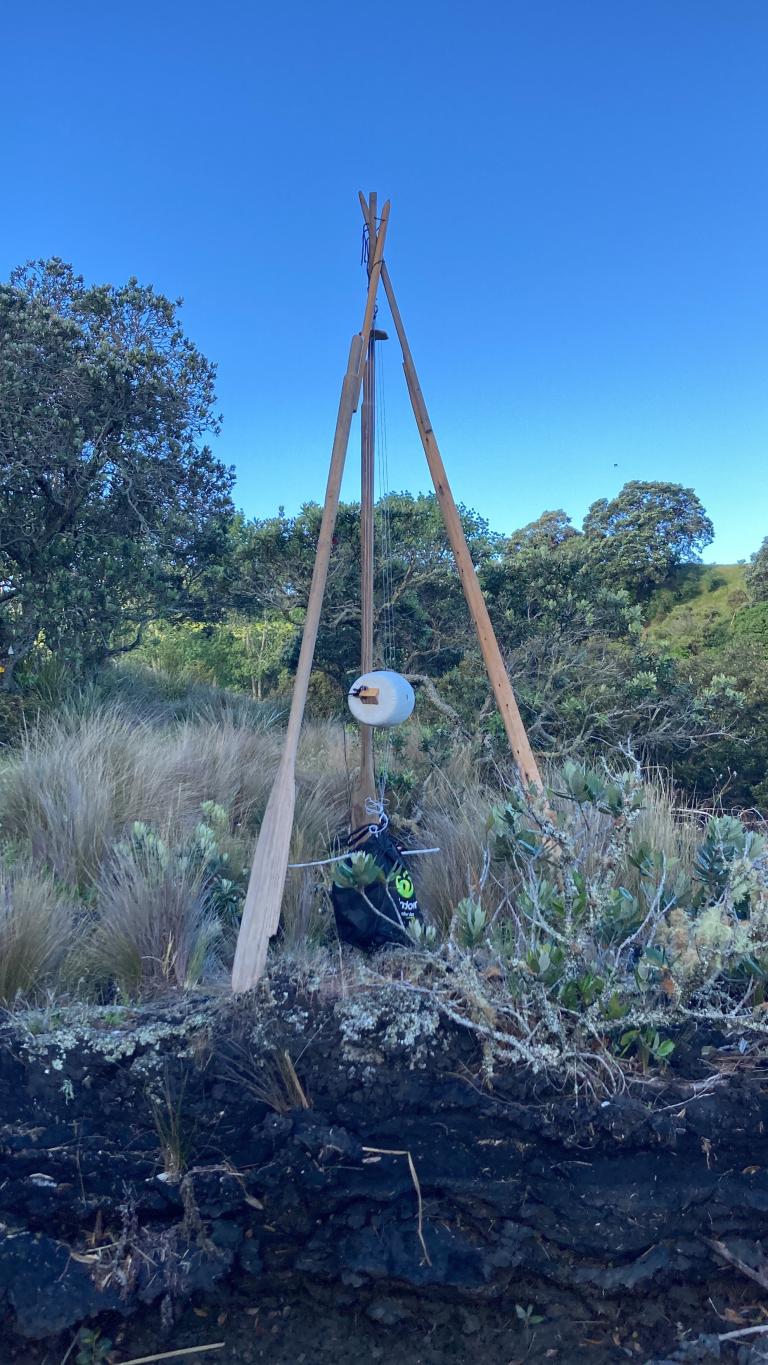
261, 913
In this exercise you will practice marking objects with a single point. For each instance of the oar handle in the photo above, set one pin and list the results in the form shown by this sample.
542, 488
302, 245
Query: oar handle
261, 912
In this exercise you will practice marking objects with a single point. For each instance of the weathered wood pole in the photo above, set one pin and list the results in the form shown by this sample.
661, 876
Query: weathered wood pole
261, 913
495, 667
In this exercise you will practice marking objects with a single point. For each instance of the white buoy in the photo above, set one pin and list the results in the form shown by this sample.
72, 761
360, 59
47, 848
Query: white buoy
381, 698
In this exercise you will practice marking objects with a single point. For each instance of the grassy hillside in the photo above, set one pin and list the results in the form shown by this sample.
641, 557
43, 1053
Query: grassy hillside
689, 608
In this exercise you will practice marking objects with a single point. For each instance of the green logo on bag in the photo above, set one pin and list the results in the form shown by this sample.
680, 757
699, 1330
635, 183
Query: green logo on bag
404, 885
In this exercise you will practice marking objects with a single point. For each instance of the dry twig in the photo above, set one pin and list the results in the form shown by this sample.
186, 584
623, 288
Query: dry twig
743, 1332
732, 1259
387, 1151
171, 1355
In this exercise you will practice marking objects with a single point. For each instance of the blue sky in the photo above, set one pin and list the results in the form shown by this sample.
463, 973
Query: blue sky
578, 231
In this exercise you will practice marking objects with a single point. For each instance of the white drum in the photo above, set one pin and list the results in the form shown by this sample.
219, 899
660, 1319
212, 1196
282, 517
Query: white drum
381, 698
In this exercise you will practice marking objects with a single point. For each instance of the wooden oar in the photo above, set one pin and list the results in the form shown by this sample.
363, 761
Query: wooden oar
261, 914
497, 673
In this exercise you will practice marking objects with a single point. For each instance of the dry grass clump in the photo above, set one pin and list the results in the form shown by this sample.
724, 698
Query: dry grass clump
36, 928
152, 927
454, 819
153, 695
80, 781
70, 787
666, 823
305, 913
226, 763
75, 792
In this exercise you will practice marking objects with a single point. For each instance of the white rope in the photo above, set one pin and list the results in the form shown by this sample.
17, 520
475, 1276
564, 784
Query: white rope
376, 808
342, 857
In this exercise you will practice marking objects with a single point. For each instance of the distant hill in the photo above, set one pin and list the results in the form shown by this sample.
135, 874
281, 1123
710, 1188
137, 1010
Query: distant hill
696, 606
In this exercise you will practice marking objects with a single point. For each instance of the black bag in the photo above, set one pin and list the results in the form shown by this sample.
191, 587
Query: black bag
356, 922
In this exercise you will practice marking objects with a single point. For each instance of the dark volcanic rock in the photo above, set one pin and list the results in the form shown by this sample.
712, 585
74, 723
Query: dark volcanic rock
291, 1139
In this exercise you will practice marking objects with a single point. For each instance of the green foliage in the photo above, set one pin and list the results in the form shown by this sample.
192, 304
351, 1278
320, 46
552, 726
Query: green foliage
613, 797
695, 599
470, 923
237, 653
358, 872
752, 622
614, 930
732, 679
727, 858
527, 1316
547, 532
424, 935
582, 695
582, 991
274, 558
649, 1046
513, 831
93, 1348
756, 575
646, 531
111, 512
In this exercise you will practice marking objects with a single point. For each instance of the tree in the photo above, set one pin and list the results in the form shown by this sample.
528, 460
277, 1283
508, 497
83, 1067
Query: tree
643, 534
421, 623
548, 582
549, 531
240, 654
756, 574
733, 675
111, 511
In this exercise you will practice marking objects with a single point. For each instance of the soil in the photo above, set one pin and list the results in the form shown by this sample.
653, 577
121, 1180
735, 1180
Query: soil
314, 1177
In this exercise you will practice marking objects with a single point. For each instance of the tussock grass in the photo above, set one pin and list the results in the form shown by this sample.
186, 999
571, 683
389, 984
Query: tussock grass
72, 794
81, 780
36, 928
152, 928
153, 695
71, 786
455, 819
666, 823
131, 829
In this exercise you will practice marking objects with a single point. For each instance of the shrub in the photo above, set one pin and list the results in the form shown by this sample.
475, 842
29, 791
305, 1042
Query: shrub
603, 952
752, 622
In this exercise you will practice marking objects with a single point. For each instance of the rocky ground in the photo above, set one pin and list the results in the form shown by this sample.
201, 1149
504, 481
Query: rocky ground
316, 1176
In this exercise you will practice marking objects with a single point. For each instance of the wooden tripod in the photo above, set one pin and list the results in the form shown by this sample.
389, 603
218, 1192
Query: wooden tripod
261, 913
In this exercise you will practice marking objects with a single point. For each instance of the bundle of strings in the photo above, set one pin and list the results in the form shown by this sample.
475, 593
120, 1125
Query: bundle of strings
383, 519
382, 522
